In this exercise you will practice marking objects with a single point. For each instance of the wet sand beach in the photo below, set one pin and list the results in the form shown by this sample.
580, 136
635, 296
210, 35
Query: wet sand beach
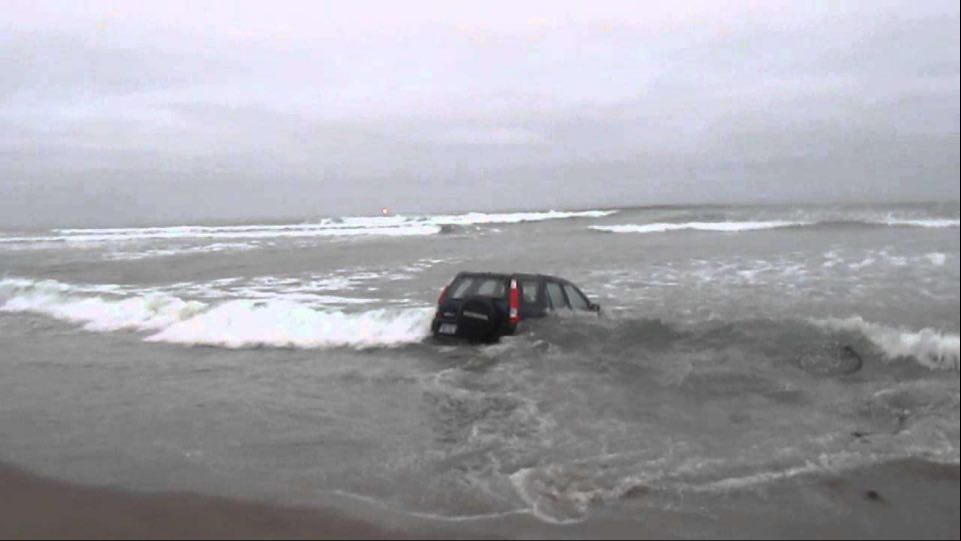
34, 507
899, 500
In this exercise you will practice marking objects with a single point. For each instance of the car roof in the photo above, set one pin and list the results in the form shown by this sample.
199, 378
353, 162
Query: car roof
516, 274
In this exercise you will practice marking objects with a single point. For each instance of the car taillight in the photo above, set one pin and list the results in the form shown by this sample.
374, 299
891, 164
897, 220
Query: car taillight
443, 295
515, 300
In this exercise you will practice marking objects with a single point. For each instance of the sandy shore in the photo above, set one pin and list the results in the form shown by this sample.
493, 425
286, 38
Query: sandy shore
36, 507
905, 499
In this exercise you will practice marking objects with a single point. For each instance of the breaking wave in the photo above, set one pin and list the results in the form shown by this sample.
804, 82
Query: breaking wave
932, 348
234, 324
95, 313
245, 323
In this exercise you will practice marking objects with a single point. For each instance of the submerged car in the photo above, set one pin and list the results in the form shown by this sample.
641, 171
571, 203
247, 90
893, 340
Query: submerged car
482, 307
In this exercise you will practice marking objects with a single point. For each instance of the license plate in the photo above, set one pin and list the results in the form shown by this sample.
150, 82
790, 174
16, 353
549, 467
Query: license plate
447, 328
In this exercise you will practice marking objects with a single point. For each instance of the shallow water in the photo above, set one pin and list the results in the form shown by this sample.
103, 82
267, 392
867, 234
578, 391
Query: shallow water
290, 362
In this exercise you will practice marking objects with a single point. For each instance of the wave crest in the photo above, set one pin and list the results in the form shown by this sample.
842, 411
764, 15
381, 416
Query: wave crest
932, 348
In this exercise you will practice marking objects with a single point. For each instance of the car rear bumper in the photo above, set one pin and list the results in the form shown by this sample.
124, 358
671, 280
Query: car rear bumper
435, 327
437, 322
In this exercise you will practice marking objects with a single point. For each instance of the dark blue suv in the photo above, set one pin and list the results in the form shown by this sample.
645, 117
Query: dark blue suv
482, 307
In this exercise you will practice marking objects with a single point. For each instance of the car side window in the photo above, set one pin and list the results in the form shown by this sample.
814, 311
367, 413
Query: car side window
578, 302
530, 291
556, 295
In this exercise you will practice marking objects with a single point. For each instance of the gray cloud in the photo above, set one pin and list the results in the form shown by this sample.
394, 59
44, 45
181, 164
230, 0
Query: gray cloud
150, 115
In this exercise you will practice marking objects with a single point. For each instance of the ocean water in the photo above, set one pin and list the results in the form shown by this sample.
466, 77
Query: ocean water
737, 347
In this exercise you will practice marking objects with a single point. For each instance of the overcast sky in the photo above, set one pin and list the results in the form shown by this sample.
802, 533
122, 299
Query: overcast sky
136, 112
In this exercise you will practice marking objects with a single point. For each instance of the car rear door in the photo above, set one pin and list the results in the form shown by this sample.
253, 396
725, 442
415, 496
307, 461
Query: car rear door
557, 298
466, 285
532, 296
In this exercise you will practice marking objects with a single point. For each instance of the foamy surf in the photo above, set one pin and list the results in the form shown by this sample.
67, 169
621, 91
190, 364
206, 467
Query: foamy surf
233, 324
245, 323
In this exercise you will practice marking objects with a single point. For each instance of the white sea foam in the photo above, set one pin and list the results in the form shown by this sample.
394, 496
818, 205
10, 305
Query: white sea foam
930, 347
216, 247
822, 463
759, 478
724, 227
936, 258
549, 500
235, 323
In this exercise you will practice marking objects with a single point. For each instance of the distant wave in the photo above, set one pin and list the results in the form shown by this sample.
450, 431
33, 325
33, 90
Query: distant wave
476, 218
234, 324
395, 226
726, 227
931, 222
226, 232
737, 227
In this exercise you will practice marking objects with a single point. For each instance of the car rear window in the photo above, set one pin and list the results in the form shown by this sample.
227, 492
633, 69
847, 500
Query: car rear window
485, 286
461, 287
490, 287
